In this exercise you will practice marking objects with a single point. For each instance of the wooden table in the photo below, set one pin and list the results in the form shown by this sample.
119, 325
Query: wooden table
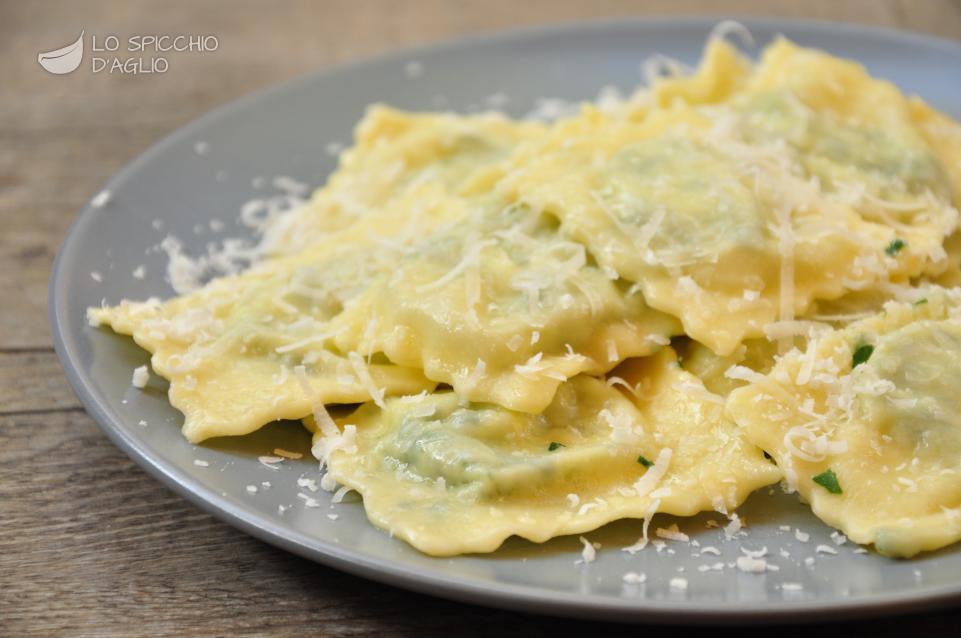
89, 544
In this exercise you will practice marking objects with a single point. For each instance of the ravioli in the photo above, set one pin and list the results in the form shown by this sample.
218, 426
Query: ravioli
863, 141
394, 155
233, 349
479, 319
452, 479
505, 310
743, 204
867, 424
408, 174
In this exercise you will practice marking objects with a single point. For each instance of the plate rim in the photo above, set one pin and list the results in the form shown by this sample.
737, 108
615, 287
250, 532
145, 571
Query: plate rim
530, 599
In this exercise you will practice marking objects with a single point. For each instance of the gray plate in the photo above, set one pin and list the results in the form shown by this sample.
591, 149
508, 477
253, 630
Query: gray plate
283, 131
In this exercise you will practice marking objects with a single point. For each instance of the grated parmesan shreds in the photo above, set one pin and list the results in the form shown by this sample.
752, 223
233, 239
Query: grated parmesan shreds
320, 414
795, 328
297, 345
309, 501
101, 199
470, 381
672, 533
697, 390
678, 584
269, 218
615, 380
642, 542
649, 481
588, 553
725, 28
754, 565
363, 377
307, 483
732, 529
471, 257
140, 377
270, 461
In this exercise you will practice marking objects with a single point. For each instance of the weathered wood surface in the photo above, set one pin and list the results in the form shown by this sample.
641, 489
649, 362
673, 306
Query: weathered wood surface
89, 544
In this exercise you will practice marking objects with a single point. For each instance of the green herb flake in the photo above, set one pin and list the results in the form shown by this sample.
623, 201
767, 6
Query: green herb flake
894, 247
862, 354
554, 445
643, 460
829, 481
921, 302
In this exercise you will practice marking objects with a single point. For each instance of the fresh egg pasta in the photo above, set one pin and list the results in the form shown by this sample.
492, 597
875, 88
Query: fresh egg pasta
740, 275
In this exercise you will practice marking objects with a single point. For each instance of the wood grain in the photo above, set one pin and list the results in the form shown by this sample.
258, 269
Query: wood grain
89, 544
33, 381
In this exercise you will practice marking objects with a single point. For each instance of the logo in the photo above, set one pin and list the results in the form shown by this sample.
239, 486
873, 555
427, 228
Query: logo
63, 60
131, 55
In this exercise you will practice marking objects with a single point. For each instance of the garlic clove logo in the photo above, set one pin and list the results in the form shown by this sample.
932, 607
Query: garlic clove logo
63, 60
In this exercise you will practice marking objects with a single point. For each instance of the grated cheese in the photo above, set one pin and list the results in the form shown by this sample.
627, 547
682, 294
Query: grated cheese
363, 377
753, 565
270, 461
588, 553
725, 28
732, 528
100, 199
634, 578
309, 501
672, 533
654, 473
678, 583
140, 377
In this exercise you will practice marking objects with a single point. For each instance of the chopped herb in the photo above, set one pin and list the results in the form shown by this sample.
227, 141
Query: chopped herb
829, 481
862, 354
554, 445
894, 247
921, 301
643, 460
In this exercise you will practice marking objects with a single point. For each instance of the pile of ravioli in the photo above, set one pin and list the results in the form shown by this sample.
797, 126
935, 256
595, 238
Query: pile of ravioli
741, 275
